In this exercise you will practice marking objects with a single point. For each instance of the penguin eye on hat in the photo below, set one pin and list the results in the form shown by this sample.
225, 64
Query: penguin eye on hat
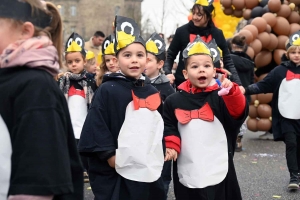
69, 42
127, 28
79, 41
158, 43
106, 43
295, 37
214, 52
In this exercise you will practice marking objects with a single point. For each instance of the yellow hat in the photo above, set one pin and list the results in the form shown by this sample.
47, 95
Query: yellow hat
196, 47
90, 55
99, 58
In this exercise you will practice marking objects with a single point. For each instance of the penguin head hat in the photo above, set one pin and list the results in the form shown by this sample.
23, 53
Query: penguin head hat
75, 43
293, 43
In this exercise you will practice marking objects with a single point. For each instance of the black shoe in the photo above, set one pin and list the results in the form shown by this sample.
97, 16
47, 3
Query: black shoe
294, 181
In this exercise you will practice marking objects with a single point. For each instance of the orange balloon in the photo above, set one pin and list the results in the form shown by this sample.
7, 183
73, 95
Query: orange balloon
252, 29
270, 18
252, 124
252, 111
228, 11
256, 46
250, 52
281, 41
238, 4
268, 29
248, 35
226, 3
282, 26
284, 11
277, 55
274, 5
253, 98
294, 28
274, 42
264, 38
265, 98
263, 58
264, 110
251, 4
264, 124
260, 23
294, 17
296, 2
247, 14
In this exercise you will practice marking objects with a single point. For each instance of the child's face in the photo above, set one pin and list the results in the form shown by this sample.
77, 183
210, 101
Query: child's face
75, 62
295, 56
91, 66
132, 60
152, 67
200, 70
111, 63
8, 33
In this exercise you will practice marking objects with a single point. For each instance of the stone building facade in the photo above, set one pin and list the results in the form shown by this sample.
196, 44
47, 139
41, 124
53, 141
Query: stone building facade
87, 16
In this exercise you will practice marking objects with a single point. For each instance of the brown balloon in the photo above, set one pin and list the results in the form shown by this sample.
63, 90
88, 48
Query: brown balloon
294, 28
281, 41
226, 3
238, 4
256, 46
264, 124
247, 14
274, 5
270, 18
268, 29
277, 55
282, 26
263, 58
252, 111
264, 111
250, 52
238, 13
284, 11
251, 4
264, 38
248, 35
252, 124
274, 42
252, 29
253, 98
296, 2
265, 98
260, 23
228, 11
294, 17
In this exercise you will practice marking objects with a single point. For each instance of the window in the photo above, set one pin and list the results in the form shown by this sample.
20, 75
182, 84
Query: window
61, 9
73, 10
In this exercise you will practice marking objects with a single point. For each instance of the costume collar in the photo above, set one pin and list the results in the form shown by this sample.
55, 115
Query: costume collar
187, 87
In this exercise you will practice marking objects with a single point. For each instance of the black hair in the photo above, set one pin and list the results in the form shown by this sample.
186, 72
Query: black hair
239, 41
207, 11
161, 56
99, 34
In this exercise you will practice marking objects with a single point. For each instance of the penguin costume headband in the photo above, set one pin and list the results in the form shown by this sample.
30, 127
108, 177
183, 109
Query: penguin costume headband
75, 43
214, 49
156, 45
294, 40
195, 48
126, 33
206, 3
21, 10
89, 55
108, 45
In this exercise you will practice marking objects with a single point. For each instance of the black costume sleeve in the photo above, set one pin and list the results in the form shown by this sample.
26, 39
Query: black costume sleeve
45, 159
228, 63
172, 53
264, 86
96, 136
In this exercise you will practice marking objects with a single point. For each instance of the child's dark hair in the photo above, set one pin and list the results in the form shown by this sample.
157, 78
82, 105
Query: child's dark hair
207, 11
239, 40
186, 60
161, 57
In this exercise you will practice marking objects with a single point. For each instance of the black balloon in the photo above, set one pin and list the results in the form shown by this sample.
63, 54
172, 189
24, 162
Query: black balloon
265, 9
256, 12
263, 3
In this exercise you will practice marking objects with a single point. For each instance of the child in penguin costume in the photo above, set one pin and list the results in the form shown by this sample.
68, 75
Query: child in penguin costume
123, 131
198, 129
283, 81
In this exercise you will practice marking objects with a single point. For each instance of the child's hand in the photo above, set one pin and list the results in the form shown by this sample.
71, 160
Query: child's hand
171, 154
226, 83
112, 161
242, 89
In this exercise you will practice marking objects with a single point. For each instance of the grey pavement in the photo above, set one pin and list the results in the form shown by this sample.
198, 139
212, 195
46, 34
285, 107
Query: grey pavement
261, 170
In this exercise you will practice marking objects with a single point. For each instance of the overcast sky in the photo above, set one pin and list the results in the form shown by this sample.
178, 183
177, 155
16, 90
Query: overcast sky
176, 14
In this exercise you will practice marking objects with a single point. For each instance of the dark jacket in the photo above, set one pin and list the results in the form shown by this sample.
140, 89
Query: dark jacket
181, 40
244, 67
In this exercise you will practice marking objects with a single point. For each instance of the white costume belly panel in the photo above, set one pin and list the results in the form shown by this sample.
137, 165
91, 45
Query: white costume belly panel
140, 156
5, 159
288, 99
203, 160
78, 111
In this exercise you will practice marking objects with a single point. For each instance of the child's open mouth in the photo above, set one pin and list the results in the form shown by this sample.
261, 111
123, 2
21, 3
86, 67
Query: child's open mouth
133, 68
202, 79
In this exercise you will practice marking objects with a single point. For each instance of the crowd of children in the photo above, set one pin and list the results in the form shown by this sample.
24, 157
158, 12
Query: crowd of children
120, 113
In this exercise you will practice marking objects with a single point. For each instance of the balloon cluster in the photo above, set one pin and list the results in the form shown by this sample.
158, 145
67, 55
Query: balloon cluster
270, 23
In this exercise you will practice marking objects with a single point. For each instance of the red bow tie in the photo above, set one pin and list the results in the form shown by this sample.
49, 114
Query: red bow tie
152, 102
290, 75
185, 116
73, 91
